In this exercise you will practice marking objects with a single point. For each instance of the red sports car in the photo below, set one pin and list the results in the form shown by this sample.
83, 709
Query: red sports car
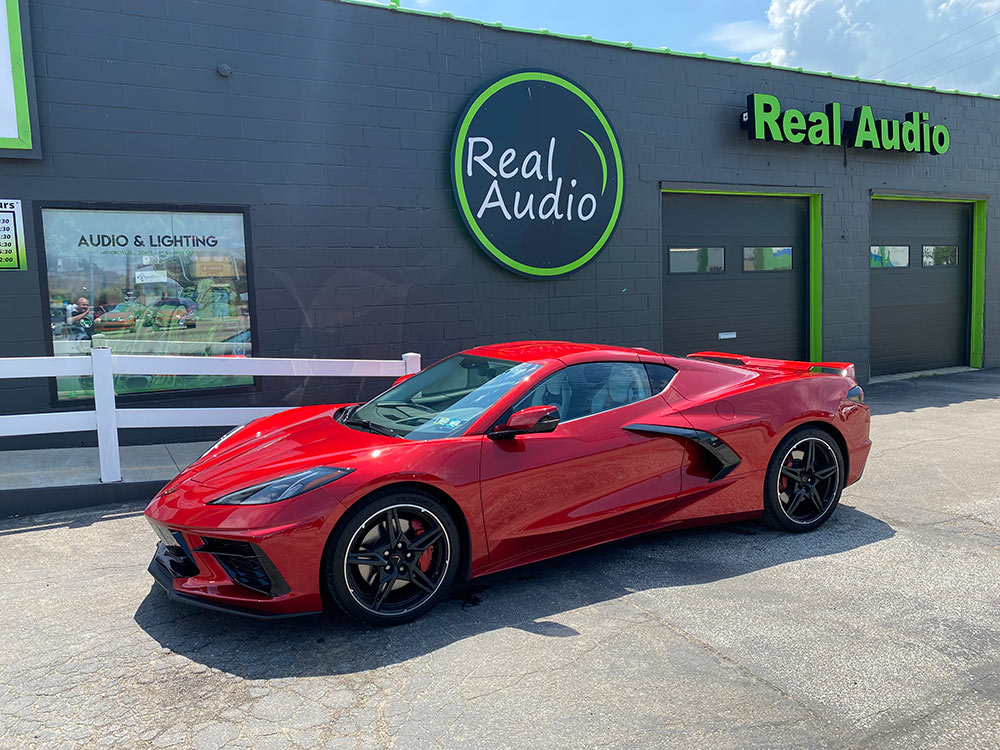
495, 457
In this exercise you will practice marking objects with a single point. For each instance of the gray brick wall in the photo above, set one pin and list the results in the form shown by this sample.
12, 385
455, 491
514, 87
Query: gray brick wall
335, 128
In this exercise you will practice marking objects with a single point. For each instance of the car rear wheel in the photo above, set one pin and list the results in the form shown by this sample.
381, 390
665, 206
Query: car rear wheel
804, 480
394, 557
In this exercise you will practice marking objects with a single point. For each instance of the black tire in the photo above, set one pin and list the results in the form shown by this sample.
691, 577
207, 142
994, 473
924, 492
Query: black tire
413, 573
804, 480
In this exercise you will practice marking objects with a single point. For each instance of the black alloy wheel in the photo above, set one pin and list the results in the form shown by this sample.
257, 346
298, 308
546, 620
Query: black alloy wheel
395, 558
804, 481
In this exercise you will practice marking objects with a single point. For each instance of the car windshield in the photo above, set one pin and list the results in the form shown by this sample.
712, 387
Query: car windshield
443, 400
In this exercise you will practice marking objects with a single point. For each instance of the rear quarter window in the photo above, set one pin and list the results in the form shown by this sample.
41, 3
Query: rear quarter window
659, 376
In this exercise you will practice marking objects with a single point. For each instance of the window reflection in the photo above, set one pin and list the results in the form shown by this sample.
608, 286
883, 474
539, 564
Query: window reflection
940, 255
767, 259
697, 259
147, 282
890, 256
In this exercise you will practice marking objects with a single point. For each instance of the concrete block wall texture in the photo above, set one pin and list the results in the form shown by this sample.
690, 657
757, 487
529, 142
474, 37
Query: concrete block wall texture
335, 128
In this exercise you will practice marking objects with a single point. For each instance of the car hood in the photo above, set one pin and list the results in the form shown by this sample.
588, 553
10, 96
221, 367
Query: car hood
282, 444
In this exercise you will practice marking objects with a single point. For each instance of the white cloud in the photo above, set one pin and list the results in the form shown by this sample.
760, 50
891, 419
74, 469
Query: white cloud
886, 39
744, 36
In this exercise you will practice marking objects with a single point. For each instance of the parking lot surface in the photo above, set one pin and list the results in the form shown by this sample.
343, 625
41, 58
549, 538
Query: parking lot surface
881, 629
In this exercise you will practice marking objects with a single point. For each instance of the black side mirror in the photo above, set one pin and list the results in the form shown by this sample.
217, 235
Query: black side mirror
530, 421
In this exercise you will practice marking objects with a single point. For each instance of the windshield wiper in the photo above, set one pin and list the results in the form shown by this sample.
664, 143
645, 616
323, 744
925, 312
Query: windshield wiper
370, 426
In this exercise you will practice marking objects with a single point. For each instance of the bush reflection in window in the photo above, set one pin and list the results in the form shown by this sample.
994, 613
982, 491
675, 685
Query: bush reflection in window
696, 259
940, 255
889, 256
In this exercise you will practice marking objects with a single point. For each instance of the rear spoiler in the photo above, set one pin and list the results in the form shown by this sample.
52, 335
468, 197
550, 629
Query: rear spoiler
761, 363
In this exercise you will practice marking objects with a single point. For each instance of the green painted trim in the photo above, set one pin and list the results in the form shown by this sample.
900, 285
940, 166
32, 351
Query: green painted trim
459, 175
815, 255
23, 140
661, 50
978, 295
759, 194
816, 277
880, 197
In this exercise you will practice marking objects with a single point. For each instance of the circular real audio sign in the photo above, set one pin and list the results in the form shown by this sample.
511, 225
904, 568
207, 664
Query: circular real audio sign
537, 173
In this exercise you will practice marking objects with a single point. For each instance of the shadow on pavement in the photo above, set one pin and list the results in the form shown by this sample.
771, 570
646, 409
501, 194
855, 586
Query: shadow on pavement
932, 391
71, 520
522, 598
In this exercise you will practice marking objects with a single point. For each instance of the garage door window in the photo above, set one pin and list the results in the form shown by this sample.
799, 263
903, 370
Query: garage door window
940, 255
890, 256
767, 259
697, 259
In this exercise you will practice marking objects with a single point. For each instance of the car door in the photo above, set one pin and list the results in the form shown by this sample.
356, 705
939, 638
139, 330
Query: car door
590, 479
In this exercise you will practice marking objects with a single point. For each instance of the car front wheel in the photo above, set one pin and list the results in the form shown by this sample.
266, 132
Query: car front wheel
804, 480
393, 558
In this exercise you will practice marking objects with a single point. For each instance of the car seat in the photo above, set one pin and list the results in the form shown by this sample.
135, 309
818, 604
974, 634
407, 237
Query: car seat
623, 386
555, 391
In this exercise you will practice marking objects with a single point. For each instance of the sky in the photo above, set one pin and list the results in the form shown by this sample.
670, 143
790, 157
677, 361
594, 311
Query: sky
951, 44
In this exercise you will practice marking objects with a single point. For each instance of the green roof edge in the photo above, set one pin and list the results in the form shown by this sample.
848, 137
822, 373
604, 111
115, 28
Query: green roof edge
658, 51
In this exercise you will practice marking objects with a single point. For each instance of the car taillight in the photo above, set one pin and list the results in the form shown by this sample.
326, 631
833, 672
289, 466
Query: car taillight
856, 394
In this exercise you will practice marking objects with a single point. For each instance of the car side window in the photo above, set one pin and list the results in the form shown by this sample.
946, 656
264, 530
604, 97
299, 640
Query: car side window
659, 376
582, 390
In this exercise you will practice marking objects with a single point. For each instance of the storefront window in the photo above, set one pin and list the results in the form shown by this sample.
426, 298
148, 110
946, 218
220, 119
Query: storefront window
889, 256
697, 259
767, 259
940, 255
147, 282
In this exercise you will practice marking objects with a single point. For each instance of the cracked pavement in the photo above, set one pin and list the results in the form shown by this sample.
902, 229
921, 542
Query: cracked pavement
879, 630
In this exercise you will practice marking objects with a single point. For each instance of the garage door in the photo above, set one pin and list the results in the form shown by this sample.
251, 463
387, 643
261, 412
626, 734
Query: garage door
735, 275
919, 294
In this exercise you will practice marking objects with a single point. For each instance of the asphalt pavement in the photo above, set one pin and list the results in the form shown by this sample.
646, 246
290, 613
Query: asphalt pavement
881, 629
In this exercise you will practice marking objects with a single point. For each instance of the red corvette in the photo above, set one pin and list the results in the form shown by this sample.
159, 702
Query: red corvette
495, 457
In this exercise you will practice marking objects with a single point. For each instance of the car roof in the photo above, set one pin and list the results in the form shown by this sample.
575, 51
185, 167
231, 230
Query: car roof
532, 351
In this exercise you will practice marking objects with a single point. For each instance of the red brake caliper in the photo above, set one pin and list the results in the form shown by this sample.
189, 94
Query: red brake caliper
424, 561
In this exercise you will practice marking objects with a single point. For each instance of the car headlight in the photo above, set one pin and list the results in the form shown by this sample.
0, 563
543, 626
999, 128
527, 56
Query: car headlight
283, 488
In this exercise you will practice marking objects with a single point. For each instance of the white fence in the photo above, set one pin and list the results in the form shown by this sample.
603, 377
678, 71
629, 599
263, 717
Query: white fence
107, 418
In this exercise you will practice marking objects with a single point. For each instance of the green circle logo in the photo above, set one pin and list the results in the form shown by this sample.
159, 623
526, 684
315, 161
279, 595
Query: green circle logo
537, 173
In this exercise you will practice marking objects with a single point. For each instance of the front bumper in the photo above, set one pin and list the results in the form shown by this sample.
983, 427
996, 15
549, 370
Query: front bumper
165, 569
234, 573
